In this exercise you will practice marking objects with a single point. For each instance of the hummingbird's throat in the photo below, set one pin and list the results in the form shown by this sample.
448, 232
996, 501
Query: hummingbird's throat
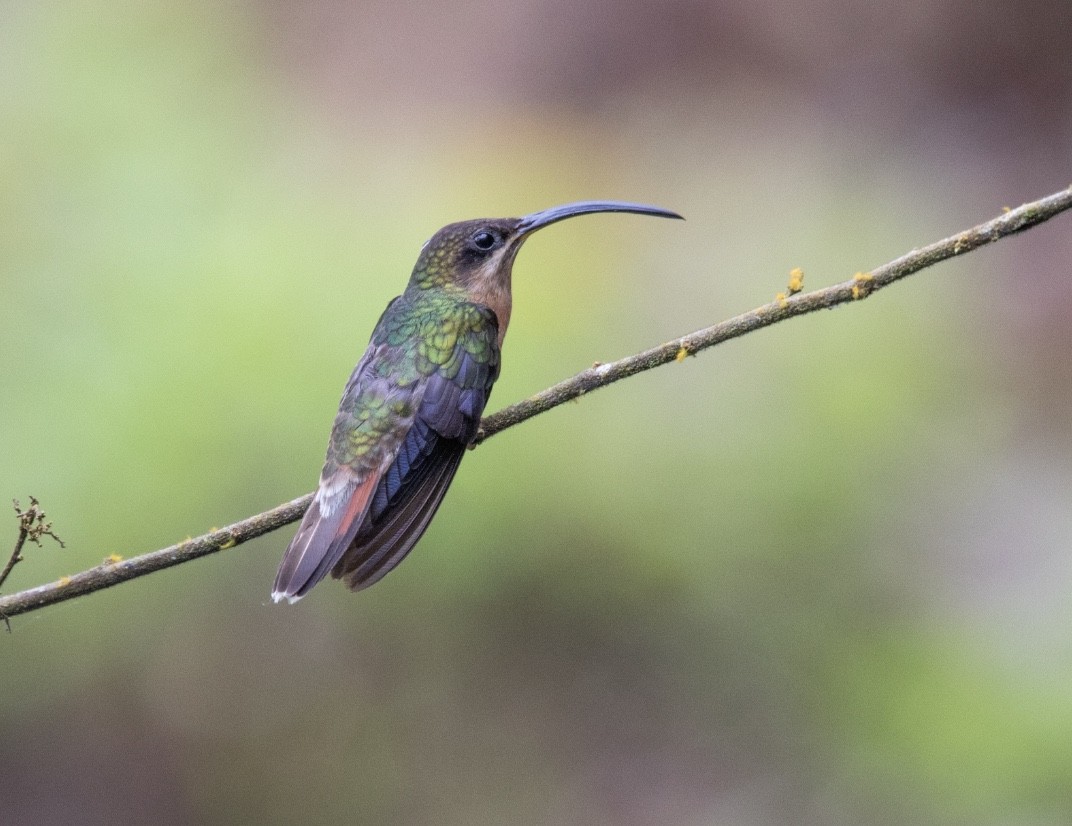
489, 285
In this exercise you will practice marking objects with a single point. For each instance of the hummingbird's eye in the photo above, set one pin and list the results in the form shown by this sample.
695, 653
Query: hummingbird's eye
484, 240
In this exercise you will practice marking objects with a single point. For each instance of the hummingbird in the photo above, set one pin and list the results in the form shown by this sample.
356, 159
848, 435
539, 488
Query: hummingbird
413, 403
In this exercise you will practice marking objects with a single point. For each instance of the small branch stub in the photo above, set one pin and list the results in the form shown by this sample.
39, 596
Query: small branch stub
32, 526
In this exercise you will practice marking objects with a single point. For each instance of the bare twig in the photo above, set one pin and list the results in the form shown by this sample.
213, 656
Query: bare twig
115, 570
32, 526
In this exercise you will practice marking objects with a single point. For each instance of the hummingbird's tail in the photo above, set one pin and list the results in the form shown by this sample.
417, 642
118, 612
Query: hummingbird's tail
326, 531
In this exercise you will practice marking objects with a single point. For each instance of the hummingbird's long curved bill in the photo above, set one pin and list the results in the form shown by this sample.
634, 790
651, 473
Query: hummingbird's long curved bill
538, 220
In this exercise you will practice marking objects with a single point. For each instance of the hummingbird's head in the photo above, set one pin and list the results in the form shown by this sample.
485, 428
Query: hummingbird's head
470, 254
478, 256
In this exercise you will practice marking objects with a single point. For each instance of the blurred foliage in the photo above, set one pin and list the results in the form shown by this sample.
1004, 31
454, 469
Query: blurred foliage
818, 575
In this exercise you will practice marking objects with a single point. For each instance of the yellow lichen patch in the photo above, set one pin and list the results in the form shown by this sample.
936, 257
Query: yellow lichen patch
862, 285
63, 580
796, 280
1006, 209
230, 543
681, 355
782, 301
112, 559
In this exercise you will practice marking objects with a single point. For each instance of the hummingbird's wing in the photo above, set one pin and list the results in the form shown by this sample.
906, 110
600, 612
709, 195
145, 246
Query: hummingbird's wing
404, 423
412, 488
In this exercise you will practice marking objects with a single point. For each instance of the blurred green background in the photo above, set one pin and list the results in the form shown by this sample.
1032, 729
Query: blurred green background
818, 575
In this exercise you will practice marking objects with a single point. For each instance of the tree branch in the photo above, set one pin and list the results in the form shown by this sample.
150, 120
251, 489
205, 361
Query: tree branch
115, 570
